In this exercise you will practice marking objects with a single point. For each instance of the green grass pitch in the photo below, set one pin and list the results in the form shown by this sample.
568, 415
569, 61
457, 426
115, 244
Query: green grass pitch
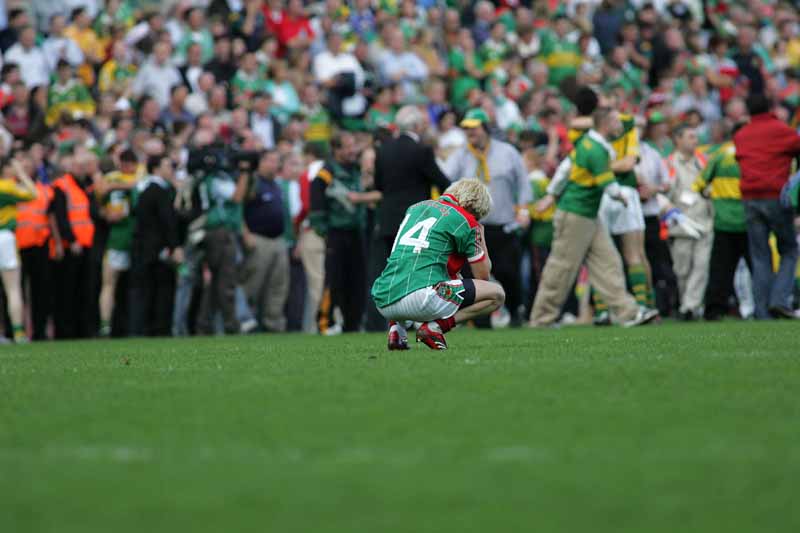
690, 428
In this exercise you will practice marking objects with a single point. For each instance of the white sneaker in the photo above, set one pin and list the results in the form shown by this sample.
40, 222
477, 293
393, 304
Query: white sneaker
643, 316
248, 326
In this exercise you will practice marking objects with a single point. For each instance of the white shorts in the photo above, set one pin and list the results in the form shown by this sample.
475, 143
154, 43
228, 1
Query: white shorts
8, 250
119, 259
619, 218
429, 303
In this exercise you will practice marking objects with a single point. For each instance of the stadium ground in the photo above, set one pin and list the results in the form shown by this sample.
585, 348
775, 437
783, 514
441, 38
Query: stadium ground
660, 429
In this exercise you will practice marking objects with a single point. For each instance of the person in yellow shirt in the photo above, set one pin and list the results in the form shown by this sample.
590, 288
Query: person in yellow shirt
15, 187
93, 48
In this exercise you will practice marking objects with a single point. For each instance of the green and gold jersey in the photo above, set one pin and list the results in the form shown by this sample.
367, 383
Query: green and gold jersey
120, 202
625, 145
72, 97
10, 195
722, 174
562, 57
590, 173
541, 223
434, 241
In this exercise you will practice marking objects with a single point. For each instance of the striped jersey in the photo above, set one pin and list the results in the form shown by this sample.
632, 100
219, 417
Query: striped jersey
590, 173
432, 244
722, 174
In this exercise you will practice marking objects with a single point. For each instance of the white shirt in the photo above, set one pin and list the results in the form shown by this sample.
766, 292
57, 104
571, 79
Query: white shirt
156, 81
327, 65
264, 128
56, 48
33, 65
652, 170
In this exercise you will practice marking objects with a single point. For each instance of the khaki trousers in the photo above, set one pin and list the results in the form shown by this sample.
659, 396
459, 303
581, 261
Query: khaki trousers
265, 279
312, 254
576, 240
690, 261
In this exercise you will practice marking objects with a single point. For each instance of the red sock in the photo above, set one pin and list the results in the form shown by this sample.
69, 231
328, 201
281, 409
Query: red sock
392, 323
446, 324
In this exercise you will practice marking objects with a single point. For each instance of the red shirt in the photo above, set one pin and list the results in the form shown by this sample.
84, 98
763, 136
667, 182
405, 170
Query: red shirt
764, 149
289, 28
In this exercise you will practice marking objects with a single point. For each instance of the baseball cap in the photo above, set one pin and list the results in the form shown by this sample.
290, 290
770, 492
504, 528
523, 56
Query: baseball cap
474, 118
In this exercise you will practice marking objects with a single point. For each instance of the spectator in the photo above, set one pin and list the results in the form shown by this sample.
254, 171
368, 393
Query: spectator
265, 272
155, 250
399, 65
764, 150
342, 75
157, 76
176, 112
690, 253
57, 46
81, 32
292, 167
17, 20
500, 166
68, 96
195, 32
263, 123
33, 64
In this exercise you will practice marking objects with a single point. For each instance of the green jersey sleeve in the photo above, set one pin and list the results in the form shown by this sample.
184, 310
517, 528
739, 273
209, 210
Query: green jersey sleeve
467, 241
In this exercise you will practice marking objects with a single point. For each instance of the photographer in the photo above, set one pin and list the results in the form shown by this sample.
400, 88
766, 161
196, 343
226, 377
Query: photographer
221, 196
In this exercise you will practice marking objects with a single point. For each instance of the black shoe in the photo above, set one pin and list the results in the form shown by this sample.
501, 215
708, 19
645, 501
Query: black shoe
687, 316
782, 312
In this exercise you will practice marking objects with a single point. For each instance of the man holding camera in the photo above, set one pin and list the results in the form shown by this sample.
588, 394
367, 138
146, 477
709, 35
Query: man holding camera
221, 198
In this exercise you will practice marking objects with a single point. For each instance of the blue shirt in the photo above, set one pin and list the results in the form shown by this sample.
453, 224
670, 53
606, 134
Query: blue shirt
264, 213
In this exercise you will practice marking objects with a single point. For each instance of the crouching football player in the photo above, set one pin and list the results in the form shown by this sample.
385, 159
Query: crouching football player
421, 281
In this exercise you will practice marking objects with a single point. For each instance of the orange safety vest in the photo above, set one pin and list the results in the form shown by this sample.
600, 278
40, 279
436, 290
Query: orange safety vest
77, 210
33, 224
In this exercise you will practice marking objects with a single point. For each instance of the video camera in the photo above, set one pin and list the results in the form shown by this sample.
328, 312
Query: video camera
221, 158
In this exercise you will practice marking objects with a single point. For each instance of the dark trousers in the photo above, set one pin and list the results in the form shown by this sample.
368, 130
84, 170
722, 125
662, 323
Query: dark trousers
771, 290
37, 288
665, 284
72, 294
220, 295
727, 250
505, 251
152, 296
345, 274
295, 304
379, 252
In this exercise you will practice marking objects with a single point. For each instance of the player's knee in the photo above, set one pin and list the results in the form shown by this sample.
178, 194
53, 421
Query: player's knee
499, 296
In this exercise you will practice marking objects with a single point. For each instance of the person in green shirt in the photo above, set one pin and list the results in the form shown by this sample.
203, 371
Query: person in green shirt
421, 281
116, 195
495, 49
578, 235
466, 70
720, 180
382, 112
562, 56
249, 79
335, 216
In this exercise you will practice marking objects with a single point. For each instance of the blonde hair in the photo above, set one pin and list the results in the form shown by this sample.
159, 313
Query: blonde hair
472, 195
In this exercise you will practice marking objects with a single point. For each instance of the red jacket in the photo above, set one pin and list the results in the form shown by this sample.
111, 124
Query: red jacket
764, 149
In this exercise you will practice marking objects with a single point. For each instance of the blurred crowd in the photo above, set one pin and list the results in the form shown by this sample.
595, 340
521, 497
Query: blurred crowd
158, 158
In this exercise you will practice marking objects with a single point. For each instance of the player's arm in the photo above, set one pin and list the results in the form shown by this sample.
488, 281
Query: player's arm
368, 197
480, 263
318, 214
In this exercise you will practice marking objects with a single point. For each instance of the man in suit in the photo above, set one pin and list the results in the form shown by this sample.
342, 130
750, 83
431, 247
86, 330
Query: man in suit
155, 250
405, 172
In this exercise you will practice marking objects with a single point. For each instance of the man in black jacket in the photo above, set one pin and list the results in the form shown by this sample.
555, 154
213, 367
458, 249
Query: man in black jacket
155, 250
405, 172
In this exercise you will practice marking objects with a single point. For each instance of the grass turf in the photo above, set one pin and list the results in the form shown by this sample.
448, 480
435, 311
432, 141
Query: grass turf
671, 428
